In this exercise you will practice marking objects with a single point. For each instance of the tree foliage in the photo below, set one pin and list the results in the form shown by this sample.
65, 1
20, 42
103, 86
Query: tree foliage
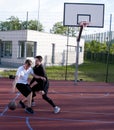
13, 23
96, 47
58, 28
96, 51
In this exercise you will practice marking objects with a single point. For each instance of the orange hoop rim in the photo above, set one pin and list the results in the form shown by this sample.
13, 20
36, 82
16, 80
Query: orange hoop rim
84, 23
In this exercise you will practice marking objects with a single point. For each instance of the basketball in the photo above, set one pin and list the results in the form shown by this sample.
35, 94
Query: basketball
12, 105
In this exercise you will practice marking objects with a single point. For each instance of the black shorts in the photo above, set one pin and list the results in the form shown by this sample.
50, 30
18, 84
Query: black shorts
41, 86
24, 89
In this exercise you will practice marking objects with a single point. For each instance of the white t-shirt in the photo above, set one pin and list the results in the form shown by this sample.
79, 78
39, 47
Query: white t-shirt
23, 74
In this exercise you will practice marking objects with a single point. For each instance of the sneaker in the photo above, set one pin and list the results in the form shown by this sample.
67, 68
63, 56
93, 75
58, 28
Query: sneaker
56, 109
22, 104
33, 104
29, 110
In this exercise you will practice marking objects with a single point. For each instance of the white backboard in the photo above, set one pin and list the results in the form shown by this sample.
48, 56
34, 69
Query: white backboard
74, 13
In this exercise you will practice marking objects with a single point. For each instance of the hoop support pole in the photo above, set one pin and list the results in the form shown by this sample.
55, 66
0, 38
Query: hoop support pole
77, 54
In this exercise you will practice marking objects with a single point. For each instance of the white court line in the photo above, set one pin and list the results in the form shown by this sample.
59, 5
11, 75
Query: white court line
94, 113
84, 95
6, 108
80, 112
28, 124
60, 119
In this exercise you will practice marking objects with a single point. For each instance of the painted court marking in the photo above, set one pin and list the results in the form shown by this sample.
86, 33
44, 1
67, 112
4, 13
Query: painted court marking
84, 95
6, 108
28, 124
70, 94
59, 119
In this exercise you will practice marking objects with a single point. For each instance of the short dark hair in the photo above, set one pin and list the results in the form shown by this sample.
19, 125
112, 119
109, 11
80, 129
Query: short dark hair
39, 58
28, 62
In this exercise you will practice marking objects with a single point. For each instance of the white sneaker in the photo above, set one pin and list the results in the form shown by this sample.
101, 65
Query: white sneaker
33, 104
57, 109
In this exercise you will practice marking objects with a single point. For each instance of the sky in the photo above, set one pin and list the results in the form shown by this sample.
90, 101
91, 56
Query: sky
48, 12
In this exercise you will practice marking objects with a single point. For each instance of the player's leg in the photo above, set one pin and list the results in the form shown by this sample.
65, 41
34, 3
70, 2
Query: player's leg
27, 92
29, 99
35, 88
50, 101
47, 99
21, 88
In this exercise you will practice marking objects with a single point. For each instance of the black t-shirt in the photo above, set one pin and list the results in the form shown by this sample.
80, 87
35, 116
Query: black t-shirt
40, 71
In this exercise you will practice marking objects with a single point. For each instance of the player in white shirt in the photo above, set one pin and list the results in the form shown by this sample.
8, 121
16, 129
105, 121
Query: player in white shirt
21, 83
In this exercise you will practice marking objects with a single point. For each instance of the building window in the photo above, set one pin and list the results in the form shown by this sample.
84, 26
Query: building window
30, 49
80, 49
6, 49
27, 49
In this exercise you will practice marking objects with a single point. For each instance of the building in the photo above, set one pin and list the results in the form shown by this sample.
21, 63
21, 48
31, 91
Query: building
16, 46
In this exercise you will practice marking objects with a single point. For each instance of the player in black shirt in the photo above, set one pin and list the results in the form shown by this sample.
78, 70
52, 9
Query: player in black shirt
42, 85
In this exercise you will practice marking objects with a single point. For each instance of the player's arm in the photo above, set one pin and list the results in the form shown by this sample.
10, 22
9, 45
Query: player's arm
33, 82
14, 83
39, 77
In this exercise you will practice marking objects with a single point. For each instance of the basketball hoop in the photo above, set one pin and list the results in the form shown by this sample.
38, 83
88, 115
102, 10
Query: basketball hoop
83, 24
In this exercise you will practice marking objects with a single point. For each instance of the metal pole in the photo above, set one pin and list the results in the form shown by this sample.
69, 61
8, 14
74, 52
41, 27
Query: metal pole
108, 44
38, 14
0, 50
27, 21
67, 54
77, 53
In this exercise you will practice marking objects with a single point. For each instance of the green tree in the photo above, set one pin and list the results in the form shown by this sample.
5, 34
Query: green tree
103, 47
4, 26
73, 31
112, 49
58, 28
87, 46
13, 23
32, 25
95, 46
96, 50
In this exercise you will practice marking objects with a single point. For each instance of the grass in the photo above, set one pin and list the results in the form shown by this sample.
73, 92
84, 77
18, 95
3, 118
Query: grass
93, 71
88, 71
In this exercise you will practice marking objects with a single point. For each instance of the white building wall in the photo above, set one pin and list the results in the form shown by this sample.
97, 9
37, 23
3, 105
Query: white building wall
44, 46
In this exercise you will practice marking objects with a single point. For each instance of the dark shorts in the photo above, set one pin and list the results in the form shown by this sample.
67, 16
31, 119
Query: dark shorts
24, 89
41, 86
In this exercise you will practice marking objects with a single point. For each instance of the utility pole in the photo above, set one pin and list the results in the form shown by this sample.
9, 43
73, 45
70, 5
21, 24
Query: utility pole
0, 50
38, 14
27, 20
108, 45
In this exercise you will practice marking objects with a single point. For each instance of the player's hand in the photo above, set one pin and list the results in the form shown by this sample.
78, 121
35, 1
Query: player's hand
43, 78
